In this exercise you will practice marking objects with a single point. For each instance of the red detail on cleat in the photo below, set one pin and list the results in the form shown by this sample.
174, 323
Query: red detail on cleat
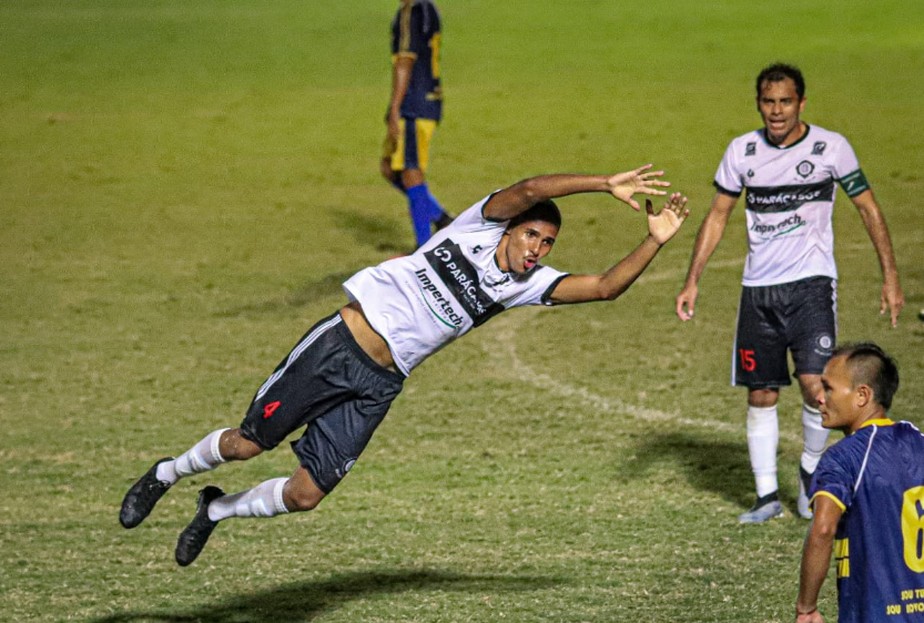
270, 409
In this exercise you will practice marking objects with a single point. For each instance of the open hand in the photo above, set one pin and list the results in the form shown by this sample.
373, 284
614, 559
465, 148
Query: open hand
641, 180
663, 225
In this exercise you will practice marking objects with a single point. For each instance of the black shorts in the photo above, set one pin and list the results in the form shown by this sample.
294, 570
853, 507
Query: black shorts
799, 317
330, 385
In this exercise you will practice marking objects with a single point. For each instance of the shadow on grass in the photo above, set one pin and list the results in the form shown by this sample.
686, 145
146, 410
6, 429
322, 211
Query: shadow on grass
368, 231
379, 233
307, 600
708, 465
328, 287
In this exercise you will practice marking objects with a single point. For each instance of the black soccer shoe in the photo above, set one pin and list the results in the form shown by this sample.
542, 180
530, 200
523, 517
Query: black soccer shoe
143, 495
197, 533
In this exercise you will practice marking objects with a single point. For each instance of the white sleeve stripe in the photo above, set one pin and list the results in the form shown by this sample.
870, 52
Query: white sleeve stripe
296, 353
869, 448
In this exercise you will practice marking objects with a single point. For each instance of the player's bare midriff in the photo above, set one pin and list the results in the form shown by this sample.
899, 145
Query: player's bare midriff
371, 342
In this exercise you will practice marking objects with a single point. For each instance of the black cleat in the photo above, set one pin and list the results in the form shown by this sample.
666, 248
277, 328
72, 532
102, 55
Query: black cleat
197, 533
802, 502
143, 495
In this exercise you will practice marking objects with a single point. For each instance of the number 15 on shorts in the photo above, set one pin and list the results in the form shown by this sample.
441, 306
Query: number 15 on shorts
748, 363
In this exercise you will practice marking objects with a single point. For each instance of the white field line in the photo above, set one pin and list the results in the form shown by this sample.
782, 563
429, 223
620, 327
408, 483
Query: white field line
506, 327
505, 342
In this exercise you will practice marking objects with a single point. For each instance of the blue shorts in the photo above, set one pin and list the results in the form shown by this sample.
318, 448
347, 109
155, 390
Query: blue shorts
798, 317
330, 385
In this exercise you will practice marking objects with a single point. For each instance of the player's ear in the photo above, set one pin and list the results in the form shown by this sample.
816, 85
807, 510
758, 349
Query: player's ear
864, 395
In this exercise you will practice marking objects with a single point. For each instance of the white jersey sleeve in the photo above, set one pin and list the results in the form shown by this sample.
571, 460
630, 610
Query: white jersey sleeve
728, 178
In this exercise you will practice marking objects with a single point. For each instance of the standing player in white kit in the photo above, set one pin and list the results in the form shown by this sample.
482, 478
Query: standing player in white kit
789, 170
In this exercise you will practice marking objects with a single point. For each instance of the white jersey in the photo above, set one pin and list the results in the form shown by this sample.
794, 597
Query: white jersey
790, 200
421, 302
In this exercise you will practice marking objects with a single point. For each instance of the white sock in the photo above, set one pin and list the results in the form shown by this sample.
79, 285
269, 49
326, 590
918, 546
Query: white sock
202, 457
264, 500
814, 438
763, 439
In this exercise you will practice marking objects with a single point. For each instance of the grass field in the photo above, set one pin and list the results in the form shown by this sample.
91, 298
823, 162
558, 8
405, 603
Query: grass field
183, 188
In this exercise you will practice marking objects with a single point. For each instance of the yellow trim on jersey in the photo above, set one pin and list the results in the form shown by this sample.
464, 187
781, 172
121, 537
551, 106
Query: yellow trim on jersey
842, 557
832, 497
843, 568
884, 421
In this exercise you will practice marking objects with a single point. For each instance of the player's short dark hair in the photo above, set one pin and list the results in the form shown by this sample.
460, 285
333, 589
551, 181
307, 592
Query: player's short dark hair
777, 72
545, 211
870, 365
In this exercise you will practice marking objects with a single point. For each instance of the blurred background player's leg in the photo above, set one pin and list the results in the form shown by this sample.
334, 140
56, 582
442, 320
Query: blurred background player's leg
405, 169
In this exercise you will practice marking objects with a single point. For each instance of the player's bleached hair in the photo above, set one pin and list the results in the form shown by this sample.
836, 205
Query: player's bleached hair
870, 365
545, 211
778, 72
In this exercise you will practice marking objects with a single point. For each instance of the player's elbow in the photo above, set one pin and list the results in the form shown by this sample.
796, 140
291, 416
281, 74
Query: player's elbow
822, 533
531, 191
612, 293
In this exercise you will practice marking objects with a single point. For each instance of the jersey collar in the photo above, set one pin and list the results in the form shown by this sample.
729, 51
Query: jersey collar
763, 134
877, 422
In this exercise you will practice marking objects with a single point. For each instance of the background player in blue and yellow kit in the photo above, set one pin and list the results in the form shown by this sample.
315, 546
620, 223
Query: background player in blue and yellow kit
868, 498
415, 109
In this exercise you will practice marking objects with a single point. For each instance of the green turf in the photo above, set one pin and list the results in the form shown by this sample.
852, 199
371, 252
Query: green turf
183, 187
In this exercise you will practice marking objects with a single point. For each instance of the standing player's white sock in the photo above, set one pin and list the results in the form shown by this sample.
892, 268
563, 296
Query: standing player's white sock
814, 438
264, 500
763, 439
202, 457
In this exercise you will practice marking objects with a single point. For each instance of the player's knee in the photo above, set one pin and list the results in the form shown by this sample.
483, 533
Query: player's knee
763, 397
300, 497
412, 177
235, 447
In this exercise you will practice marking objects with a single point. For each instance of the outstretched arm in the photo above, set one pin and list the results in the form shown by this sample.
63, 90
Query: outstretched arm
707, 239
609, 285
892, 297
816, 556
512, 201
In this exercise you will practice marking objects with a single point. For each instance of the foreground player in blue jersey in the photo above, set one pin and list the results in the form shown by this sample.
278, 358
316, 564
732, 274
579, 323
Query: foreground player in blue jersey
414, 110
339, 381
868, 498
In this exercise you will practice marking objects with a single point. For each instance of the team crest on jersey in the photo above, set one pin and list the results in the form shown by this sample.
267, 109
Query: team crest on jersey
819, 148
805, 168
750, 149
